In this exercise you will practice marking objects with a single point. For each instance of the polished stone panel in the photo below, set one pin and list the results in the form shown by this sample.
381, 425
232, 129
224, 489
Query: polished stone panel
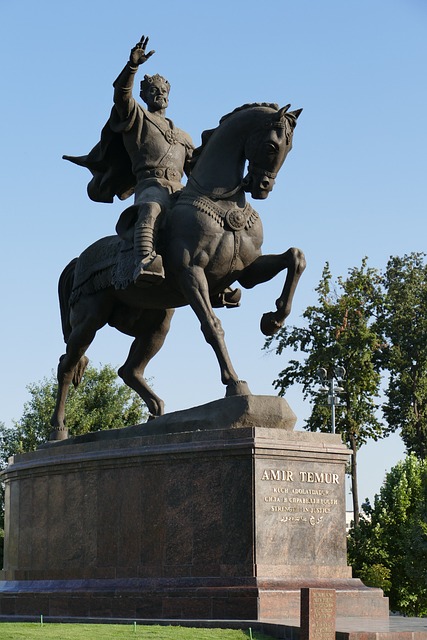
318, 614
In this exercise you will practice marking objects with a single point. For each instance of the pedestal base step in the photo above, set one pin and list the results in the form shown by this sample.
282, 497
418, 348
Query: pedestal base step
182, 598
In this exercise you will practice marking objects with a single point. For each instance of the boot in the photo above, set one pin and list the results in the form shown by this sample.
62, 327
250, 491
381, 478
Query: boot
149, 269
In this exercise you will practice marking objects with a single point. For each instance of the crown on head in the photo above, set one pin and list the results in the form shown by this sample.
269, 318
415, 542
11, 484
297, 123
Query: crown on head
156, 79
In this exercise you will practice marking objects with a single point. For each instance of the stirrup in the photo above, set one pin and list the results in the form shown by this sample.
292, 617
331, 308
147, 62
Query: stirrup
149, 271
229, 298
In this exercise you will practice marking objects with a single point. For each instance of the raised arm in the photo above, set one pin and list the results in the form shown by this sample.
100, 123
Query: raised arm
123, 84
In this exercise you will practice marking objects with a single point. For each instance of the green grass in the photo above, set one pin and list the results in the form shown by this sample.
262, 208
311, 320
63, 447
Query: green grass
52, 631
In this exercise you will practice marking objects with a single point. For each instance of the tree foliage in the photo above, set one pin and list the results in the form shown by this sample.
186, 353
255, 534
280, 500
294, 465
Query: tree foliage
1, 511
389, 547
403, 322
339, 330
99, 402
375, 323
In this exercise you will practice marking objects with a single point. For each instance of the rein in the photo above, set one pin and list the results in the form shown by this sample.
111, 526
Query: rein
216, 194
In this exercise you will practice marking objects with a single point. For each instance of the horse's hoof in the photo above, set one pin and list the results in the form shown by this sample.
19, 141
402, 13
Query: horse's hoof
61, 433
156, 409
269, 325
237, 388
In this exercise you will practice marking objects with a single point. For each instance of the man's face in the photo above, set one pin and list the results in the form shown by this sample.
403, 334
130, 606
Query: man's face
156, 96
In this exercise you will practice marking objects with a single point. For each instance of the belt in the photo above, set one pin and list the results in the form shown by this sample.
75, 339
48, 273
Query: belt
159, 172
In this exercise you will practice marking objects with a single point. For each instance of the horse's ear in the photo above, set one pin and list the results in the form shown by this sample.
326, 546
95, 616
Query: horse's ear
282, 112
295, 113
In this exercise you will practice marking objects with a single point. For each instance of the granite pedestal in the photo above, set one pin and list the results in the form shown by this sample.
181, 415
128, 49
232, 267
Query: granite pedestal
221, 512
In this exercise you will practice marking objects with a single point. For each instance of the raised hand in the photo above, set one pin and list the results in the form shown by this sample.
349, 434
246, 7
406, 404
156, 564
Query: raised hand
137, 54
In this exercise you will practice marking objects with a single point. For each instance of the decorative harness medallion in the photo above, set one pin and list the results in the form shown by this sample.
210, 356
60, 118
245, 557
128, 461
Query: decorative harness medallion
234, 219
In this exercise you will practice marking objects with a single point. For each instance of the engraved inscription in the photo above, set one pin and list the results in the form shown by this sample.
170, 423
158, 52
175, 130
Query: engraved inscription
318, 614
285, 475
300, 496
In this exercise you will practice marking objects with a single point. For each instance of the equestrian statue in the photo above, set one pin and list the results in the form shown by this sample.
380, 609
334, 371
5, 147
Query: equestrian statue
176, 245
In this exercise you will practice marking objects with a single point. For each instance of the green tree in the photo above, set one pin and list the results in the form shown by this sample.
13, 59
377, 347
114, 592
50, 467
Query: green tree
1, 506
99, 402
403, 321
389, 547
340, 330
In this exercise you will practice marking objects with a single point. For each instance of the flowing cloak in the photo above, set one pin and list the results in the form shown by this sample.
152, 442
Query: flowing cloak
109, 163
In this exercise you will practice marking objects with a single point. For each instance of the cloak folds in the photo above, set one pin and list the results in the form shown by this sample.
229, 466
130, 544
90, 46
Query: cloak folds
109, 164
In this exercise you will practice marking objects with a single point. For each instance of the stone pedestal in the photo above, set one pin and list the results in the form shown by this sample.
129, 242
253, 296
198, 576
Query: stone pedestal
220, 512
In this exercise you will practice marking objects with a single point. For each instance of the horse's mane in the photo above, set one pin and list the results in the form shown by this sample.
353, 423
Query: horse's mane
248, 105
208, 133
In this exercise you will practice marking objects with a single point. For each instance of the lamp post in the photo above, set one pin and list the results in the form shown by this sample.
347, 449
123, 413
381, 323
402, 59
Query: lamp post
331, 381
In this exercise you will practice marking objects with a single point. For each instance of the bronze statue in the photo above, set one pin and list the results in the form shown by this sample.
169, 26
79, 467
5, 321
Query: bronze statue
209, 238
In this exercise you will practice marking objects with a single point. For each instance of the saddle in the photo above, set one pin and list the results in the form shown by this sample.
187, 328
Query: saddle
110, 261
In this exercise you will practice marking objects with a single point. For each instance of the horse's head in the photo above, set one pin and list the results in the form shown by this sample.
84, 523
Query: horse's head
266, 150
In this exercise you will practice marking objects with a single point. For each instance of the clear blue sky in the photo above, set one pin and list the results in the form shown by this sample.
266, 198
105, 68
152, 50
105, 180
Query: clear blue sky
354, 185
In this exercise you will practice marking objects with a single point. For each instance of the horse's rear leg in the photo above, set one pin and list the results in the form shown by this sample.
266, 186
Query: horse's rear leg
151, 334
70, 369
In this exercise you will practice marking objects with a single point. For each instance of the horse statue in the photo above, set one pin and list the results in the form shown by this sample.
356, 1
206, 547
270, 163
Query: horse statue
210, 238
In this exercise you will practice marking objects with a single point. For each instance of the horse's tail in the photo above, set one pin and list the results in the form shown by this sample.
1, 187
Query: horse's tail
65, 286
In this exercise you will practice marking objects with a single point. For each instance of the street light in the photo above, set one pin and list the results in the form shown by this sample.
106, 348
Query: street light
331, 382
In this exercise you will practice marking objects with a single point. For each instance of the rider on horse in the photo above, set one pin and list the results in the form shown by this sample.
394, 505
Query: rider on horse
159, 152
142, 152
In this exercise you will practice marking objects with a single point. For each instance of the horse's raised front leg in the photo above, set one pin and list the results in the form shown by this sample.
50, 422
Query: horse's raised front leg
151, 332
195, 288
265, 268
